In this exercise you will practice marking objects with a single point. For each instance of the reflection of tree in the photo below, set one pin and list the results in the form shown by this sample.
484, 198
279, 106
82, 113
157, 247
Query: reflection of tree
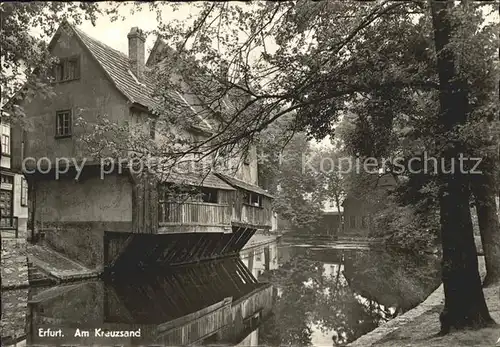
392, 279
293, 303
365, 289
340, 311
307, 296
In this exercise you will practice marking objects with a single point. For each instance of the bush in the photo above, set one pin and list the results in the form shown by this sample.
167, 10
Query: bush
408, 227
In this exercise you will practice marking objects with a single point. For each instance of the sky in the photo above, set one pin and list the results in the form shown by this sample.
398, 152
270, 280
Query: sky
114, 34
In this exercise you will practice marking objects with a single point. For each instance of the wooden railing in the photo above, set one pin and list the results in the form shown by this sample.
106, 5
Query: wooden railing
254, 215
194, 327
9, 226
193, 213
260, 299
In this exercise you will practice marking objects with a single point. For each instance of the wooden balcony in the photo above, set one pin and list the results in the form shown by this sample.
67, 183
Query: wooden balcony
191, 214
254, 216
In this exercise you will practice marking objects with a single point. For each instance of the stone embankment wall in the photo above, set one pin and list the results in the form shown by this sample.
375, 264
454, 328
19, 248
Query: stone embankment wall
14, 263
14, 311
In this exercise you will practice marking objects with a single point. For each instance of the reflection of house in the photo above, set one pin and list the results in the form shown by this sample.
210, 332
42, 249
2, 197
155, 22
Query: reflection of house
260, 256
358, 209
13, 194
212, 302
100, 222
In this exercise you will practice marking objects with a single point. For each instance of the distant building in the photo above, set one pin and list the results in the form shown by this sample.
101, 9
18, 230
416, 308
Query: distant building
358, 210
283, 224
331, 220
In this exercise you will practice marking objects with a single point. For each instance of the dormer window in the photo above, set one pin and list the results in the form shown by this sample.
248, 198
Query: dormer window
67, 69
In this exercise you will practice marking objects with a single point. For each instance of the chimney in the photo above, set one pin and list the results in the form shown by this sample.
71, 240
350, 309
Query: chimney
136, 51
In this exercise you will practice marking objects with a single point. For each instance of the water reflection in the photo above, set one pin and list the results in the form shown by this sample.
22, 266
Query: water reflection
211, 302
331, 297
318, 296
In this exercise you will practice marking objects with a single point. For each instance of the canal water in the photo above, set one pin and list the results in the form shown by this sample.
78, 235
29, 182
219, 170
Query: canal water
292, 292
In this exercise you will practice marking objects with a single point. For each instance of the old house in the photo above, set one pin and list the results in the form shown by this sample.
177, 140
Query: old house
14, 192
126, 219
14, 216
359, 208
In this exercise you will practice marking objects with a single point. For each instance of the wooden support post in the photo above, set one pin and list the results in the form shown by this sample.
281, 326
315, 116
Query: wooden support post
248, 235
245, 273
159, 245
229, 243
232, 278
172, 249
197, 247
203, 251
219, 245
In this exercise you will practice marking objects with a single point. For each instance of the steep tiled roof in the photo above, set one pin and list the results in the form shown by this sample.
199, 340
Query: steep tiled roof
244, 185
198, 180
161, 50
118, 69
117, 66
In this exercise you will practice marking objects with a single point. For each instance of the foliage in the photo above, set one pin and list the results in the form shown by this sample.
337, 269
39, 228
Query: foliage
299, 192
361, 291
302, 176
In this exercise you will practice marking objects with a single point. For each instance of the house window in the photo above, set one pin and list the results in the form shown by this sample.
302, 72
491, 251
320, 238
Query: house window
252, 199
256, 200
246, 157
63, 123
135, 117
6, 203
152, 129
5, 144
7, 179
24, 192
67, 69
364, 222
352, 221
209, 195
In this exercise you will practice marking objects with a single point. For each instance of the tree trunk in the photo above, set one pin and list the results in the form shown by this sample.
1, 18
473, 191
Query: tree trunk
465, 305
341, 217
483, 187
